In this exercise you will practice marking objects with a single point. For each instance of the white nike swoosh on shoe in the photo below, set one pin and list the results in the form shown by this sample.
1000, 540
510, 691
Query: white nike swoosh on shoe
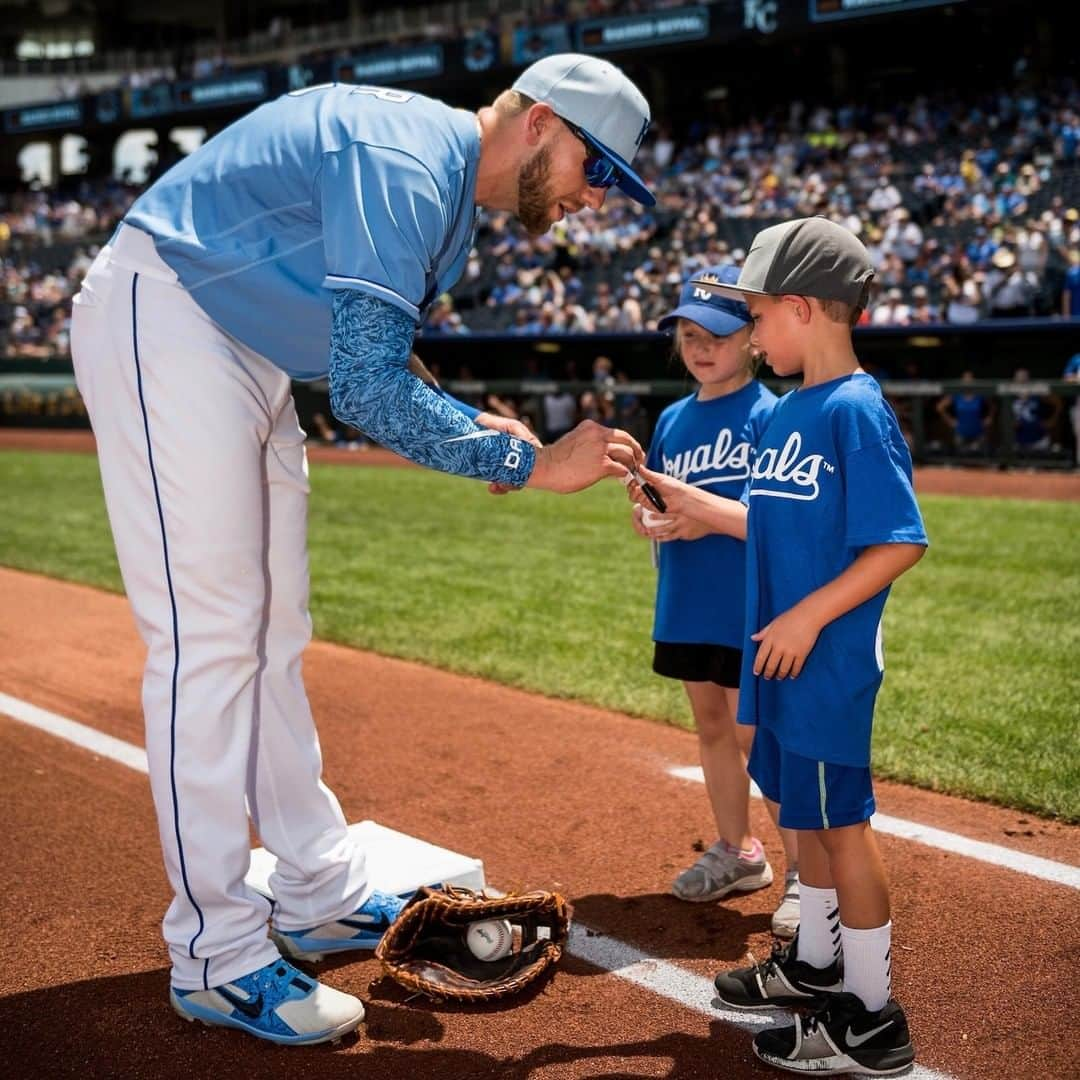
857, 1040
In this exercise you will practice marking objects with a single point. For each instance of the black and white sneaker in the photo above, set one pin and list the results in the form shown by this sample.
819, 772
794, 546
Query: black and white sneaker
842, 1037
781, 982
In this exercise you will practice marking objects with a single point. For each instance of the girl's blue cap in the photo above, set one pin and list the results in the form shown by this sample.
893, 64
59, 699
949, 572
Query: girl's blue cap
720, 315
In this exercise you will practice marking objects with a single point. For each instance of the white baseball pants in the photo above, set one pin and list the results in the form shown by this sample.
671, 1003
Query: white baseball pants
205, 475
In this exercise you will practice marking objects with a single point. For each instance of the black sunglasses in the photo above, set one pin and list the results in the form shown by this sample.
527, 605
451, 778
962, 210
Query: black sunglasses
599, 171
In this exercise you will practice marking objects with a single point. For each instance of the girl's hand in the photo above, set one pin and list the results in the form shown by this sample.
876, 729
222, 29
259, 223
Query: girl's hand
637, 523
671, 526
675, 493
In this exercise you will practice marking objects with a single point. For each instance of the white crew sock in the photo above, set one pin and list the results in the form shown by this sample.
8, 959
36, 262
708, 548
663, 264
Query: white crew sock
868, 964
819, 926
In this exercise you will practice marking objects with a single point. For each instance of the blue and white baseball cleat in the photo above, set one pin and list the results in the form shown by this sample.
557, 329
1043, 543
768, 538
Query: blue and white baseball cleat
363, 929
278, 1003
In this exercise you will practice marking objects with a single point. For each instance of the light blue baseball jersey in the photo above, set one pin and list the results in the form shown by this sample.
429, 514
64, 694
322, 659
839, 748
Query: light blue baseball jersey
333, 187
700, 590
832, 476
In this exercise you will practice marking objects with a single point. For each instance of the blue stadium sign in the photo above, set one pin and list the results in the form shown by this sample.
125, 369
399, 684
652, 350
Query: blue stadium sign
830, 10
391, 65
639, 31
43, 117
225, 90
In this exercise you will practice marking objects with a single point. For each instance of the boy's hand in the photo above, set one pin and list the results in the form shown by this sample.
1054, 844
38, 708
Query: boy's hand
785, 643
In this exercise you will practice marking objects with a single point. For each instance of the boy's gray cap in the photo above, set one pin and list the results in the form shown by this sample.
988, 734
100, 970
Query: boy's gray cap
805, 257
597, 97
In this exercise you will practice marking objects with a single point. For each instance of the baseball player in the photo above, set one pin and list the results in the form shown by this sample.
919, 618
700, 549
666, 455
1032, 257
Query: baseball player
832, 522
305, 240
707, 440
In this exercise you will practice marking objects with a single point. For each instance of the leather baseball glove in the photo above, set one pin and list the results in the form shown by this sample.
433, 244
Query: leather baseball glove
425, 949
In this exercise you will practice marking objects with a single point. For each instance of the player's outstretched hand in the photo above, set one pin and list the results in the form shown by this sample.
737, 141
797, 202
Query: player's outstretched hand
585, 455
785, 643
509, 426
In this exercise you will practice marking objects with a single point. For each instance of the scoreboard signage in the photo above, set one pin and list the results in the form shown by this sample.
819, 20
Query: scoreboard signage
60, 114
392, 65
829, 10
224, 90
640, 31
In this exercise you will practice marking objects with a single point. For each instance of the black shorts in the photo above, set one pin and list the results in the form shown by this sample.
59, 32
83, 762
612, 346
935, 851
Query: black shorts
698, 663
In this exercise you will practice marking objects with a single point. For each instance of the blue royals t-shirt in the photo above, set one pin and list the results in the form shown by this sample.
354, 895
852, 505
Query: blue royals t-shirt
832, 476
710, 444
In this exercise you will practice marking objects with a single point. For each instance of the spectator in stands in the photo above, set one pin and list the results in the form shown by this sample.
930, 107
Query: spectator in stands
1011, 290
969, 416
922, 311
963, 292
1070, 292
892, 311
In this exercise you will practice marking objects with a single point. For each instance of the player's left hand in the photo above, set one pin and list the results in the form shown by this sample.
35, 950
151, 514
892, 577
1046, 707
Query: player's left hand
784, 644
508, 427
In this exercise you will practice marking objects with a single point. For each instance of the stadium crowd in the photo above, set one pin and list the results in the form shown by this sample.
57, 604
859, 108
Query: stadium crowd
970, 211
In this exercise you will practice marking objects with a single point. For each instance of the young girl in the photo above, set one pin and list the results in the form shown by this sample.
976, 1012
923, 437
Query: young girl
707, 440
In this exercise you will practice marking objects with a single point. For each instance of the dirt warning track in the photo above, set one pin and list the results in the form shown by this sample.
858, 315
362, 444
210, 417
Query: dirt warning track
548, 794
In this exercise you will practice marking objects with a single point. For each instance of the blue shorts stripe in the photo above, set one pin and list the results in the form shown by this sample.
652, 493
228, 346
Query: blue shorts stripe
175, 624
822, 793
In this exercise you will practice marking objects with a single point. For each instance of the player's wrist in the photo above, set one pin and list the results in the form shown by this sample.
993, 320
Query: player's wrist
540, 476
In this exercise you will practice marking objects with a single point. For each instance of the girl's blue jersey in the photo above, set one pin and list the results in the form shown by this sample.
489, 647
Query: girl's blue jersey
700, 591
832, 476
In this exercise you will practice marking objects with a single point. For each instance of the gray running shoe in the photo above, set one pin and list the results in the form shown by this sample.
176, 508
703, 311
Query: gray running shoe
785, 920
722, 870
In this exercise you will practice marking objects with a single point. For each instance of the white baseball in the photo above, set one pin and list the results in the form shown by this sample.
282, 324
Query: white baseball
489, 940
651, 520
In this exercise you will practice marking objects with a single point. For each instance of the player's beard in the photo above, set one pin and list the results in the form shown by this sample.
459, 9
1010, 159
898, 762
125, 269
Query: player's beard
534, 195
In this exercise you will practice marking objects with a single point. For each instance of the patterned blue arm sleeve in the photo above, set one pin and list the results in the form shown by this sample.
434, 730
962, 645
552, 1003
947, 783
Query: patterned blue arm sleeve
371, 389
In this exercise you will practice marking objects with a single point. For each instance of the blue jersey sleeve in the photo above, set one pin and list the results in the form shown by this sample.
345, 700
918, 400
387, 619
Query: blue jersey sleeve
384, 223
372, 389
879, 499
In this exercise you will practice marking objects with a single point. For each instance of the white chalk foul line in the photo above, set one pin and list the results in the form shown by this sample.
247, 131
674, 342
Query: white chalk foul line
1034, 865
679, 985
97, 742
659, 977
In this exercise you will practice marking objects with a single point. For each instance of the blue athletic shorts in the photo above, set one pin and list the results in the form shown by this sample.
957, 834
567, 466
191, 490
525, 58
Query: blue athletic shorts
812, 794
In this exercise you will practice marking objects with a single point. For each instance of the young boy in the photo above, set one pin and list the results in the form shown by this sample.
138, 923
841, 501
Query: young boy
832, 521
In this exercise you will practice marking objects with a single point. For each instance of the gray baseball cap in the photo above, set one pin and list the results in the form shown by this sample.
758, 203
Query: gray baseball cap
597, 98
805, 257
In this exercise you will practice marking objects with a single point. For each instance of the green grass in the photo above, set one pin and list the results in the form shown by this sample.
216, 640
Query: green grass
982, 696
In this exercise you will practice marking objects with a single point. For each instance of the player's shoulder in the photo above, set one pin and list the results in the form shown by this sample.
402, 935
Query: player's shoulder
440, 137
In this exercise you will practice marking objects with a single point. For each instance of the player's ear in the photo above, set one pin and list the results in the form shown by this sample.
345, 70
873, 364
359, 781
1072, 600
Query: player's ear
539, 119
